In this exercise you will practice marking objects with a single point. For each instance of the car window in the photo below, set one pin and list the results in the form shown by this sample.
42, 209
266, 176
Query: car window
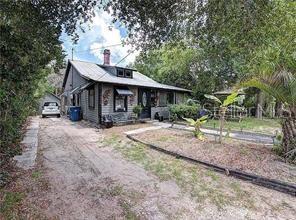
51, 104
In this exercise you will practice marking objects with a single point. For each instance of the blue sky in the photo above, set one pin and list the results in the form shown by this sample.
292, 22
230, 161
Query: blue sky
100, 33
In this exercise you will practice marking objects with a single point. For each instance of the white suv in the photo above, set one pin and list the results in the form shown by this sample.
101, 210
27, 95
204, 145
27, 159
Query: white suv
50, 109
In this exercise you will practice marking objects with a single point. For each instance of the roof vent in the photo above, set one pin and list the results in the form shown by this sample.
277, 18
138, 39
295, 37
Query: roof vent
106, 57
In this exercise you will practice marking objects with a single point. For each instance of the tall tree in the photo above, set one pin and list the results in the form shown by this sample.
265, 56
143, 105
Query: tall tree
180, 65
226, 31
274, 67
29, 43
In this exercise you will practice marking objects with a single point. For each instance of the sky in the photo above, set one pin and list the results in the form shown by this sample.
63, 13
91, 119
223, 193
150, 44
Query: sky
101, 32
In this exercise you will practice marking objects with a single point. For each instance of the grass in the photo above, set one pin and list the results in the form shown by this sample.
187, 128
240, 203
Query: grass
127, 210
125, 204
265, 126
110, 140
36, 174
10, 202
202, 184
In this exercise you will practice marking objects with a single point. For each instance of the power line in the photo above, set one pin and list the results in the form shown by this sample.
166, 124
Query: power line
116, 64
124, 57
98, 48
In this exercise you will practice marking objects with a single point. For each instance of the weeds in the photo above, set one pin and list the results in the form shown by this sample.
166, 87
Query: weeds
110, 141
127, 210
10, 201
36, 174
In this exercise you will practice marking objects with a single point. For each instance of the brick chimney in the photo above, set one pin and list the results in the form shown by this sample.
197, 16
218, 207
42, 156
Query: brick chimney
106, 57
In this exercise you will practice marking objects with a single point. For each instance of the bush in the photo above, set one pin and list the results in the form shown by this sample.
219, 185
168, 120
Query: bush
180, 111
137, 110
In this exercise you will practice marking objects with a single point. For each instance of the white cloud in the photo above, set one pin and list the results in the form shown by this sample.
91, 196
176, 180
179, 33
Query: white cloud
103, 33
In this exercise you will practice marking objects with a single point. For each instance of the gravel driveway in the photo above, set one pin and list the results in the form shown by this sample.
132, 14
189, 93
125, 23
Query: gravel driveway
88, 179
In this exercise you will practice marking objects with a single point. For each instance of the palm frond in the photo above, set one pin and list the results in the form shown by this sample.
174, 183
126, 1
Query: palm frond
266, 86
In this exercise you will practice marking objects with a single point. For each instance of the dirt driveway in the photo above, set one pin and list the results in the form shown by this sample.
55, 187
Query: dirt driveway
90, 177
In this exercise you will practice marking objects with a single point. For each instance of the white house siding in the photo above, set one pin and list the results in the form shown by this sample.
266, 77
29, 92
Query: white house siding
108, 108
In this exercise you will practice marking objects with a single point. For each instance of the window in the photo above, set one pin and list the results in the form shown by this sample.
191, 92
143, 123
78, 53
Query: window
73, 100
162, 99
91, 97
128, 73
78, 99
153, 98
120, 73
170, 98
51, 104
120, 102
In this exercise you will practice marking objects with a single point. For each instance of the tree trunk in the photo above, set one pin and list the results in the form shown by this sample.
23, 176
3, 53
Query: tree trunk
279, 109
259, 104
222, 120
289, 134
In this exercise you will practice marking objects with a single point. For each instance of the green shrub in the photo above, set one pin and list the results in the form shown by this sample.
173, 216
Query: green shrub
137, 110
180, 111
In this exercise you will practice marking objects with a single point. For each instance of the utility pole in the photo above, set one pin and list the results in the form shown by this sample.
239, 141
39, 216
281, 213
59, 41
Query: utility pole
72, 52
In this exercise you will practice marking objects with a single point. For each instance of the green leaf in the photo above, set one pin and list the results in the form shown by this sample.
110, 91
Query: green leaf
203, 118
214, 98
190, 121
230, 99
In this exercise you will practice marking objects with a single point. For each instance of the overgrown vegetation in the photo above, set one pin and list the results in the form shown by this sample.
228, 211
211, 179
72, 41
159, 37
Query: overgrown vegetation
29, 49
282, 86
228, 40
179, 111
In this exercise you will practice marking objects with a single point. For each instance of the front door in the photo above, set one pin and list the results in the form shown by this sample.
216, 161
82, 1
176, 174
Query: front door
145, 102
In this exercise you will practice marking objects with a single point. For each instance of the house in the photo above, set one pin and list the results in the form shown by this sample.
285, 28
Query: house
103, 90
48, 97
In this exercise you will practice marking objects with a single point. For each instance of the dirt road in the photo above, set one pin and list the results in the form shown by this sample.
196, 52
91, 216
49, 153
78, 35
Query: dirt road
89, 179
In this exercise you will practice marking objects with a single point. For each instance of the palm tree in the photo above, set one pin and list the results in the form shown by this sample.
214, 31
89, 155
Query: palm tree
282, 86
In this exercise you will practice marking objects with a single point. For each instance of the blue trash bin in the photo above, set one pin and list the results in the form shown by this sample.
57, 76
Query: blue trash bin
75, 113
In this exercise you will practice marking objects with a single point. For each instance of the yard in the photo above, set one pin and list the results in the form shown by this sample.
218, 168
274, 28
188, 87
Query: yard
239, 155
89, 173
264, 126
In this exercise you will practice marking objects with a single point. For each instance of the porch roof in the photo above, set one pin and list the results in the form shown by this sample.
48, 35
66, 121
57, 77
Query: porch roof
124, 92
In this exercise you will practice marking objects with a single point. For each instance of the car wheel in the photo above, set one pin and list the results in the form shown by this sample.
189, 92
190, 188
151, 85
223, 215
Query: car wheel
58, 116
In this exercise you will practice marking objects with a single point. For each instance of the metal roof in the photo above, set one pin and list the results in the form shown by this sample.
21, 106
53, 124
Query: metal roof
75, 90
93, 71
85, 86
